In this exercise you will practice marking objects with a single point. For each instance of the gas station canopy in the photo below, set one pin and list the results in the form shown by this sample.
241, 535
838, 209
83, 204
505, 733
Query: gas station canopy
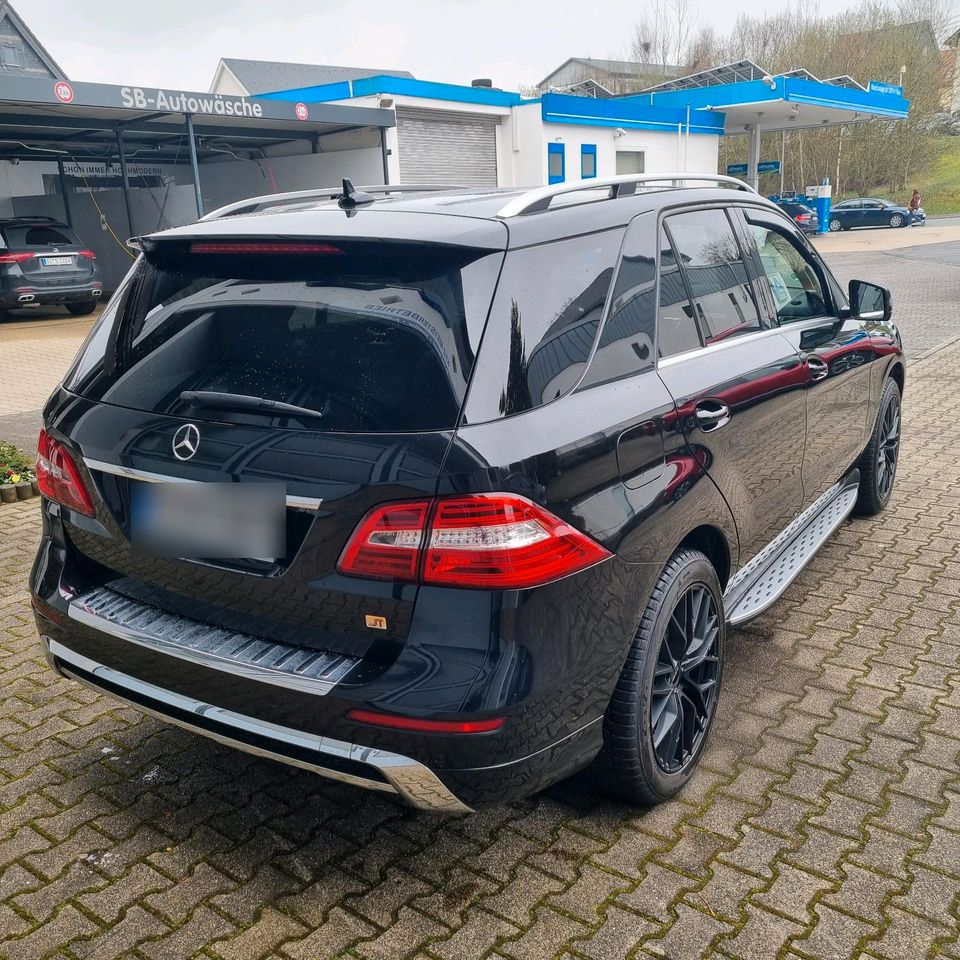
754, 102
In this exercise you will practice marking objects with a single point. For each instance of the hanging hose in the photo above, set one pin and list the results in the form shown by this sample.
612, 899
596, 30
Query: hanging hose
103, 216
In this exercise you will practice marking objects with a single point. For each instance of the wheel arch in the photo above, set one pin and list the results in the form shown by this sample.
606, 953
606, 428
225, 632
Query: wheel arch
898, 373
711, 542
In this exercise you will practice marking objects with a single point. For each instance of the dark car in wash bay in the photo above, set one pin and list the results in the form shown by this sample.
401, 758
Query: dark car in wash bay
450, 494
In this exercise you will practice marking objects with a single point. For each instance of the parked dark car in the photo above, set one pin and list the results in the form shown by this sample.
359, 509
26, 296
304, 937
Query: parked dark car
450, 495
868, 213
805, 218
42, 262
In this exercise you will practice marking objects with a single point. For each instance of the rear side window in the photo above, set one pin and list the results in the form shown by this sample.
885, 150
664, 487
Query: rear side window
713, 266
372, 336
543, 324
626, 341
38, 236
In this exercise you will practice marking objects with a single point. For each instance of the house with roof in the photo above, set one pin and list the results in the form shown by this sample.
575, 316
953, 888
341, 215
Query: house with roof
249, 78
21, 53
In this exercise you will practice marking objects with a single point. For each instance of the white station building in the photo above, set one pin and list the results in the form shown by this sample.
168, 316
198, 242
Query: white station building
477, 135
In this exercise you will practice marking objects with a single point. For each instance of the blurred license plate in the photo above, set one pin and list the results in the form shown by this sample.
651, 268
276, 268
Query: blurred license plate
213, 521
56, 261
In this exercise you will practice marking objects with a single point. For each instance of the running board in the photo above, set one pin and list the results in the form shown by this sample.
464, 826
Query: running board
765, 578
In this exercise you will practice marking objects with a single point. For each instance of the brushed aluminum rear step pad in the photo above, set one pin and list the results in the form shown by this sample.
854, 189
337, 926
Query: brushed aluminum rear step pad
266, 661
766, 577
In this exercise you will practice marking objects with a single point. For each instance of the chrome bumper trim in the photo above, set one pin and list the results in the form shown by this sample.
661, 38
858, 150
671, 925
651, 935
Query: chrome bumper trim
294, 668
300, 503
411, 780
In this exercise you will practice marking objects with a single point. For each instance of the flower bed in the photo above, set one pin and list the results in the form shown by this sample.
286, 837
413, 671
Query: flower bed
18, 479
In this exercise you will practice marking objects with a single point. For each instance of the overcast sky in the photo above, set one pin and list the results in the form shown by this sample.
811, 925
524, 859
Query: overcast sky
177, 43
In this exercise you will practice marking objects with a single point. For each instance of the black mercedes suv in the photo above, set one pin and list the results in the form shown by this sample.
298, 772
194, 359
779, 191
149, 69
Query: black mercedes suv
449, 494
43, 263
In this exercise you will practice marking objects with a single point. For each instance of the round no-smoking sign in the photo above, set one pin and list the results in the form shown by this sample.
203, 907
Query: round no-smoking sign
63, 91
301, 111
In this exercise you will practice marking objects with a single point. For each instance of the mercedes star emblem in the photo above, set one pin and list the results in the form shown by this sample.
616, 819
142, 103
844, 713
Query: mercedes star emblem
185, 441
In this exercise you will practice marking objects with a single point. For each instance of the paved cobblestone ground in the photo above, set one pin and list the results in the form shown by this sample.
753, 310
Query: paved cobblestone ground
823, 823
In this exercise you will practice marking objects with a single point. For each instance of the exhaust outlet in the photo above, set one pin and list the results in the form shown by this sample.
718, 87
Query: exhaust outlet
26, 298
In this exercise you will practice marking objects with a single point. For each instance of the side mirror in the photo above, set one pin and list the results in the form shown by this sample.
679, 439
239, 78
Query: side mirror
870, 301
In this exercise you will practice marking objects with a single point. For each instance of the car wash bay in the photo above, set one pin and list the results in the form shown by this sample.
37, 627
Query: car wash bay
116, 161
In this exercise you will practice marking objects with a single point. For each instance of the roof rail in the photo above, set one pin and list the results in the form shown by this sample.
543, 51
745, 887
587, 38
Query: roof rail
253, 204
535, 201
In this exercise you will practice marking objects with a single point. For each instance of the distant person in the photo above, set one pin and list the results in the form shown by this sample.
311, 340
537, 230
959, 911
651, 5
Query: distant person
917, 216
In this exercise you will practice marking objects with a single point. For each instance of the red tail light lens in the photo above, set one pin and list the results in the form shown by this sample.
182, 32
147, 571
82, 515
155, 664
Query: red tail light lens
487, 541
258, 247
15, 257
396, 722
58, 476
803, 218
89, 254
386, 545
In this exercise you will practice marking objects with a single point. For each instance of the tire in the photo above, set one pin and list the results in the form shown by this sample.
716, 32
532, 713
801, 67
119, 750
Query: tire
835, 225
629, 764
897, 220
878, 462
83, 308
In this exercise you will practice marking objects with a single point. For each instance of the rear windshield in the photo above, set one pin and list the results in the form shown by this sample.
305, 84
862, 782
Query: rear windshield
41, 235
370, 336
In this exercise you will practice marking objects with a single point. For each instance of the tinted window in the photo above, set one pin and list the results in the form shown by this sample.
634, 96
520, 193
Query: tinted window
626, 341
542, 324
794, 286
713, 266
375, 336
676, 329
38, 236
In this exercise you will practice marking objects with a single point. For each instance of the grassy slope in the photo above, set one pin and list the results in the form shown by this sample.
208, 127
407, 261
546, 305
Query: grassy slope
940, 184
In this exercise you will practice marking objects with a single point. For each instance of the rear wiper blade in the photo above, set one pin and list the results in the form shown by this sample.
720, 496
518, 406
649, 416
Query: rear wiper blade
240, 401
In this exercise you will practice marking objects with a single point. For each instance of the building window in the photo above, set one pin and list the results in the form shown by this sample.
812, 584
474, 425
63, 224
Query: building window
556, 163
9, 56
630, 161
588, 161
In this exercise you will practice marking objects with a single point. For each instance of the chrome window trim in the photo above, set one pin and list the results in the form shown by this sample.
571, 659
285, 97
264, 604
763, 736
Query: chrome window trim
300, 503
714, 347
415, 783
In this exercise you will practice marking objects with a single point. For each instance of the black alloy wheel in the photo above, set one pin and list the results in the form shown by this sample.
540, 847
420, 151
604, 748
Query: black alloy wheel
685, 680
658, 720
878, 464
889, 447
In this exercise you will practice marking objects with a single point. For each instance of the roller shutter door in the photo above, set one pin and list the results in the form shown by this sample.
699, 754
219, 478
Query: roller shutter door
447, 147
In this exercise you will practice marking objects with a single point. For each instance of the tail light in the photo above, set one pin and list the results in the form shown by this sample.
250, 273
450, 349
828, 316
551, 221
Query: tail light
89, 254
15, 257
58, 476
802, 218
491, 541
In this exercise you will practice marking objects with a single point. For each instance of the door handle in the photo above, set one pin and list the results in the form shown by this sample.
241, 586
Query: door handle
818, 368
712, 415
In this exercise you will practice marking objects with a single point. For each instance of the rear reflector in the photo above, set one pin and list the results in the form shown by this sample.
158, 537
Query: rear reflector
15, 257
487, 541
58, 476
426, 726
258, 248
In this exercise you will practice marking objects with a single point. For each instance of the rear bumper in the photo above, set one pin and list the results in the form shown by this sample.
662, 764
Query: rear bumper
25, 295
361, 766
